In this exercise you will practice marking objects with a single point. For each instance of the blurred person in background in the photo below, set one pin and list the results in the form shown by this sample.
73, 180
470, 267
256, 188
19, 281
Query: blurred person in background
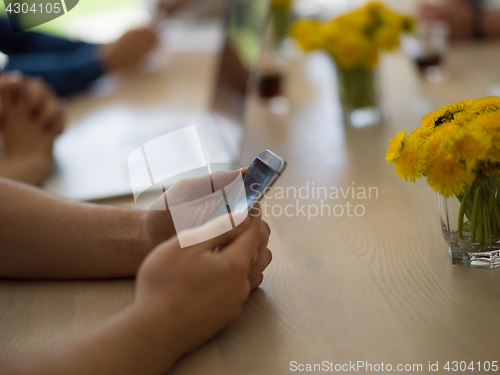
31, 116
70, 66
467, 18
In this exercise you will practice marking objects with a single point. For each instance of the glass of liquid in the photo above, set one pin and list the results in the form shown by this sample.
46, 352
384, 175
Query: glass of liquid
427, 47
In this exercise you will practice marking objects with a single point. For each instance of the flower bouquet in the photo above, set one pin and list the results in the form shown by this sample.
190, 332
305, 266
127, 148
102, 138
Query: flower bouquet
457, 148
354, 40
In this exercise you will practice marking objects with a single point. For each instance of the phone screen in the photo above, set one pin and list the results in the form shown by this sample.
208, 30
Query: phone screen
257, 177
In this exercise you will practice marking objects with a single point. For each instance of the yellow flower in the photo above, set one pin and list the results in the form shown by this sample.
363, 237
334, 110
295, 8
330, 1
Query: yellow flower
486, 104
444, 114
305, 32
470, 146
361, 19
410, 162
489, 122
391, 20
395, 147
329, 35
437, 139
374, 7
421, 133
448, 176
350, 50
429, 120
386, 38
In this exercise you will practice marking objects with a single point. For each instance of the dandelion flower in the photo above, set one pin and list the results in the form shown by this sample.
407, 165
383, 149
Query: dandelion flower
438, 139
305, 32
395, 147
387, 38
470, 146
486, 104
489, 122
448, 176
350, 50
411, 160
429, 120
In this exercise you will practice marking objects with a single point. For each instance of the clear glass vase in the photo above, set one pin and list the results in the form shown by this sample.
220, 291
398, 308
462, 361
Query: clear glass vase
359, 96
471, 224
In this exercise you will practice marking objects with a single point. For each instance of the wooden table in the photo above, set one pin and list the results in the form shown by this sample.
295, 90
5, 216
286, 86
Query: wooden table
377, 288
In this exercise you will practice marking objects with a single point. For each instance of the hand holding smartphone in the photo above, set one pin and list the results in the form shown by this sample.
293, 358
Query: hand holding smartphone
259, 176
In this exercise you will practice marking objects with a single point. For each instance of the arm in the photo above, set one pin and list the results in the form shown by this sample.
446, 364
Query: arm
184, 296
67, 65
42, 236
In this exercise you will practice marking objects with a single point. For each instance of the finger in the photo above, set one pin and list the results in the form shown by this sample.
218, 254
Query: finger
203, 236
36, 95
11, 87
255, 282
265, 234
49, 113
258, 267
245, 246
60, 120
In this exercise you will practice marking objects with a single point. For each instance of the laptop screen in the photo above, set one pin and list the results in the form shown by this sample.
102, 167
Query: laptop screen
239, 60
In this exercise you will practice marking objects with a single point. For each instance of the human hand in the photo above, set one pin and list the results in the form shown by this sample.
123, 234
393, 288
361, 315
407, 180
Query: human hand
159, 225
189, 294
457, 13
31, 116
127, 52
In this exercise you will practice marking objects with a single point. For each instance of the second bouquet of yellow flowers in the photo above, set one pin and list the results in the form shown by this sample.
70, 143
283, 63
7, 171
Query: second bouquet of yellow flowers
354, 40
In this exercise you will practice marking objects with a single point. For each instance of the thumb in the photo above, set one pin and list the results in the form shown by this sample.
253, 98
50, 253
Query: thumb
216, 233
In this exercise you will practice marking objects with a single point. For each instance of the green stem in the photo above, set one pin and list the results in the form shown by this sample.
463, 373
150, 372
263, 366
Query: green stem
474, 216
463, 204
480, 216
496, 212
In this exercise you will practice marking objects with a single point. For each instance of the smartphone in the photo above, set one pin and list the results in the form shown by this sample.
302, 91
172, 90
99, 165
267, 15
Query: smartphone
260, 176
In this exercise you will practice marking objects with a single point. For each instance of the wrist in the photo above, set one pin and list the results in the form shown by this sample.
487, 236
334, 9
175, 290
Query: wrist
156, 330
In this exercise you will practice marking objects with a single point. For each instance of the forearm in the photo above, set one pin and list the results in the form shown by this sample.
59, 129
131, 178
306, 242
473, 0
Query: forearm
24, 169
42, 236
124, 345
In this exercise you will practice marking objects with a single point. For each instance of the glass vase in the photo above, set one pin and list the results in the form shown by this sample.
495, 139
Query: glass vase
359, 96
471, 224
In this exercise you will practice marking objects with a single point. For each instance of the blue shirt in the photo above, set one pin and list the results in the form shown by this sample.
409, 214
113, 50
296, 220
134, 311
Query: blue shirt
66, 65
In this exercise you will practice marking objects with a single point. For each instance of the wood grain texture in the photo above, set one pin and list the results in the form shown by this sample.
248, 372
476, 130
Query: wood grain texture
376, 288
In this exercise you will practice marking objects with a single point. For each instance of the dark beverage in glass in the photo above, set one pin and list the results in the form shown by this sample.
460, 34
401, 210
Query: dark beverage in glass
270, 85
424, 62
